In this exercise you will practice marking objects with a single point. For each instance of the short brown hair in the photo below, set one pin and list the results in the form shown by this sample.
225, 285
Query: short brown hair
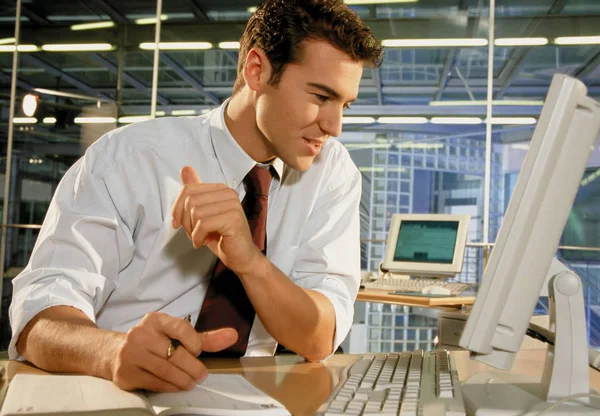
279, 27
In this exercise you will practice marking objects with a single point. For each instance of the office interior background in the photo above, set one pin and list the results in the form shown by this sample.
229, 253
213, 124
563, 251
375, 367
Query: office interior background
420, 132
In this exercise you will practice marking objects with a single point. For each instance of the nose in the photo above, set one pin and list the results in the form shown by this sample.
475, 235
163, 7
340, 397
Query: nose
331, 121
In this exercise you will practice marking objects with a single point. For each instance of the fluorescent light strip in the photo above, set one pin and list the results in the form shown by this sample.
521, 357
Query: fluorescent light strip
483, 102
24, 120
170, 46
456, 120
358, 120
402, 120
94, 120
229, 45
22, 48
521, 42
7, 40
78, 47
439, 43
150, 20
91, 26
133, 119
514, 120
183, 112
577, 40
49, 120
411, 145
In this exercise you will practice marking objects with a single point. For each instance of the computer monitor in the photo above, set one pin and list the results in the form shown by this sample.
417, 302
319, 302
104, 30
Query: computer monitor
429, 245
526, 244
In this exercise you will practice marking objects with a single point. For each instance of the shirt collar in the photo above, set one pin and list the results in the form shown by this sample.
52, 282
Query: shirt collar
233, 160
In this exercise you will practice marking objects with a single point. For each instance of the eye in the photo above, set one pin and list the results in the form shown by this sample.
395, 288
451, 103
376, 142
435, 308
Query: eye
346, 106
322, 98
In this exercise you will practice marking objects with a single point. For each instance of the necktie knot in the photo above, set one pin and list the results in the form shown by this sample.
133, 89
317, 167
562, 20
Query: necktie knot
258, 181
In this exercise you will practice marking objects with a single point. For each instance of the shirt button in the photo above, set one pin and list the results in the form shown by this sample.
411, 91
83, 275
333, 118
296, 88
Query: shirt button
233, 183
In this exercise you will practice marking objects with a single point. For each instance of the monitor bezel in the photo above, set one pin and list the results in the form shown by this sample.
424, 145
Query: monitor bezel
421, 268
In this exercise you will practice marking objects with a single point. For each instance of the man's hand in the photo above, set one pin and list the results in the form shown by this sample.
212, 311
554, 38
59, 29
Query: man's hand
141, 361
211, 214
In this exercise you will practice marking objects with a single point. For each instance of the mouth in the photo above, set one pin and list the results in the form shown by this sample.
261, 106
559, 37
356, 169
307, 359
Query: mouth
314, 146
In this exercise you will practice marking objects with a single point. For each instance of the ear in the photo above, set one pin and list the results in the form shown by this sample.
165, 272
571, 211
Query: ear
257, 69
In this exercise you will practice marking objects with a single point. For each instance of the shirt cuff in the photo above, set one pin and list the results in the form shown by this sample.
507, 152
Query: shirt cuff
32, 300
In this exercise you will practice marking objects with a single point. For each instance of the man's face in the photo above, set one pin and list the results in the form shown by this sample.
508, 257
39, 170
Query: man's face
298, 115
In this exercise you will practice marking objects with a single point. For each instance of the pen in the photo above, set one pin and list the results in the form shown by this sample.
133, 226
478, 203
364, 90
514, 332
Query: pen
175, 342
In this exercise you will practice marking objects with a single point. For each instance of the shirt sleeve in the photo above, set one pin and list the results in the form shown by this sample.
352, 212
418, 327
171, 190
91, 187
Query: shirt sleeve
81, 247
328, 261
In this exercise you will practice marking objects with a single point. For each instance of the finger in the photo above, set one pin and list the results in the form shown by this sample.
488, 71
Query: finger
187, 190
221, 213
138, 378
182, 358
188, 363
189, 176
166, 371
218, 339
206, 204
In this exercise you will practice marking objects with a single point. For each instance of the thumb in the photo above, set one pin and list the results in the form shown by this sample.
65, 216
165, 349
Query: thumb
218, 339
189, 176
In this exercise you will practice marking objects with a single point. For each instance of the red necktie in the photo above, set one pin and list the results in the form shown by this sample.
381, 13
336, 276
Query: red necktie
226, 303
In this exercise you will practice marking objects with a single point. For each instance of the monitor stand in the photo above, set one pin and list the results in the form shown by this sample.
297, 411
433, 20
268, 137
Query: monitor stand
566, 371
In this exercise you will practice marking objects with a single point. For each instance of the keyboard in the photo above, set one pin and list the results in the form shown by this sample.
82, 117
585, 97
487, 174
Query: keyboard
415, 285
405, 384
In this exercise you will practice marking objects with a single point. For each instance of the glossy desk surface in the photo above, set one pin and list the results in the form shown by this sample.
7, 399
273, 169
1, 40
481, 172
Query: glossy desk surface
302, 386
384, 296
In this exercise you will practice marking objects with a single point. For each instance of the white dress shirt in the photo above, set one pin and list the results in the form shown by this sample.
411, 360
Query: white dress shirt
107, 246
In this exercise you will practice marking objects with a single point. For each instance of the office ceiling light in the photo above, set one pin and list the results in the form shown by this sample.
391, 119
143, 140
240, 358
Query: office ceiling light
7, 41
468, 103
402, 120
171, 46
183, 112
92, 26
251, 9
150, 20
229, 45
359, 2
22, 48
49, 120
358, 120
77, 47
133, 119
514, 120
434, 43
94, 120
577, 40
24, 120
521, 42
456, 120
30, 103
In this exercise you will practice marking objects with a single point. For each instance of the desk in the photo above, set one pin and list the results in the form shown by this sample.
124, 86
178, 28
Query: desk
383, 296
302, 386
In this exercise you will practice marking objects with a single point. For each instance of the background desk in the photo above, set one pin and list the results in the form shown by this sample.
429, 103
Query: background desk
302, 386
383, 296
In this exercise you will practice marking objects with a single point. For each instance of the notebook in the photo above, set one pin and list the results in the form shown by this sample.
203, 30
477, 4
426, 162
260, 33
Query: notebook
73, 395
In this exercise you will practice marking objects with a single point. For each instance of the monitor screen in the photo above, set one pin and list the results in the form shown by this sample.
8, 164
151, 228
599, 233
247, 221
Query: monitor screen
428, 245
426, 241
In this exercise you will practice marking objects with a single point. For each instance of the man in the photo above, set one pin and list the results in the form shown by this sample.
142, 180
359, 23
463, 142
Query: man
127, 249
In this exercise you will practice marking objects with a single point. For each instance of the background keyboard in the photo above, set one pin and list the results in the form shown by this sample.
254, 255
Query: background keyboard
415, 285
406, 384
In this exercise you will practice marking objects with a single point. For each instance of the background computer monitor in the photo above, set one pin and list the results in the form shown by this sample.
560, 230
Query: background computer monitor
426, 244
533, 223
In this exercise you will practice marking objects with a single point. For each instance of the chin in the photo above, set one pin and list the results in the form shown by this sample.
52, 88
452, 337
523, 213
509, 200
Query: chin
300, 164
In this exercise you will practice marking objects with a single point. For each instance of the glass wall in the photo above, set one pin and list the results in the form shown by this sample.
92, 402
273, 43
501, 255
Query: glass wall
417, 131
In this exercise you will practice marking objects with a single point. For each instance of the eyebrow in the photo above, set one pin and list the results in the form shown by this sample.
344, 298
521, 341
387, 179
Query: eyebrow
328, 90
